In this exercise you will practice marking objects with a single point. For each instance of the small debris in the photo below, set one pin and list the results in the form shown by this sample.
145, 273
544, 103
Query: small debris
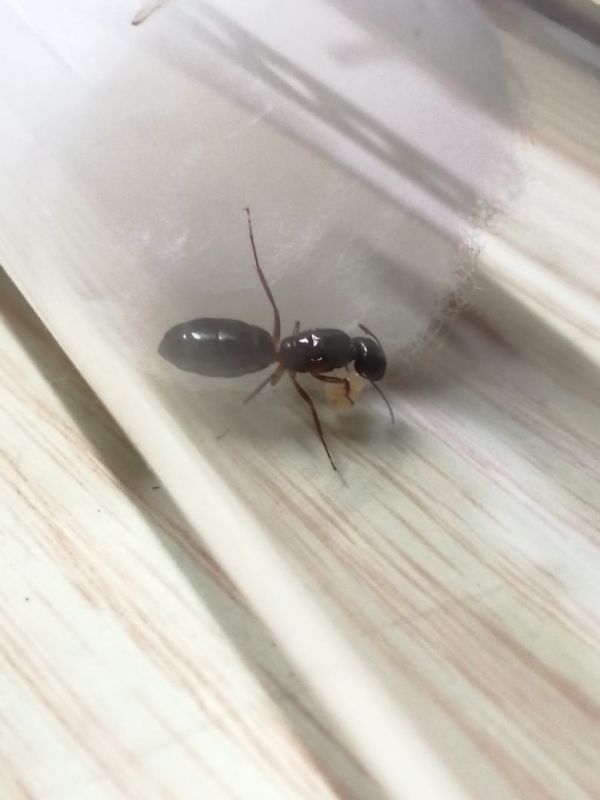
143, 14
335, 393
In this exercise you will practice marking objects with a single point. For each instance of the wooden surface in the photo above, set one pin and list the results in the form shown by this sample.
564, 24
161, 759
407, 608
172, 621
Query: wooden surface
120, 678
461, 558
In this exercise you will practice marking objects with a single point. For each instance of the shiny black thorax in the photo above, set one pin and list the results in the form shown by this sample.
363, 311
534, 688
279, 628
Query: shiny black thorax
317, 350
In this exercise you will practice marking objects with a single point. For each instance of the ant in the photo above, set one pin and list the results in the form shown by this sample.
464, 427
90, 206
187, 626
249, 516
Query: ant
230, 348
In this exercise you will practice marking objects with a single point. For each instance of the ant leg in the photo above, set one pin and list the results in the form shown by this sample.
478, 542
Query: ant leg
316, 420
276, 376
265, 285
296, 330
272, 379
334, 379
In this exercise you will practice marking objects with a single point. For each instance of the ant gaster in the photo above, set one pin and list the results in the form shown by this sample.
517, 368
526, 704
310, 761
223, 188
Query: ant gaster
229, 348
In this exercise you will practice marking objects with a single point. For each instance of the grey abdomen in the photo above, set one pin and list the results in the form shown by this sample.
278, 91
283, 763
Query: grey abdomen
225, 348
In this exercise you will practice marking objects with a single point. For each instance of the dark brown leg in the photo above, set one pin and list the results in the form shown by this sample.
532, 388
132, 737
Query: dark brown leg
272, 379
296, 330
265, 285
307, 399
385, 400
334, 379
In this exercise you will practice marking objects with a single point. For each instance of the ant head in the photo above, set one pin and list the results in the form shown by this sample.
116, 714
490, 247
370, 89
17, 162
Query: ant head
369, 358
370, 362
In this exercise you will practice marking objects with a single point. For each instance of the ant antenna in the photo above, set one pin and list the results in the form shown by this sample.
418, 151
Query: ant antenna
369, 333
265, 285
373, 384
383, 397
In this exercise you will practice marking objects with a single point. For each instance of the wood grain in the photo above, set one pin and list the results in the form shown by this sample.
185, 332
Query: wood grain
460, 557
117, 681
